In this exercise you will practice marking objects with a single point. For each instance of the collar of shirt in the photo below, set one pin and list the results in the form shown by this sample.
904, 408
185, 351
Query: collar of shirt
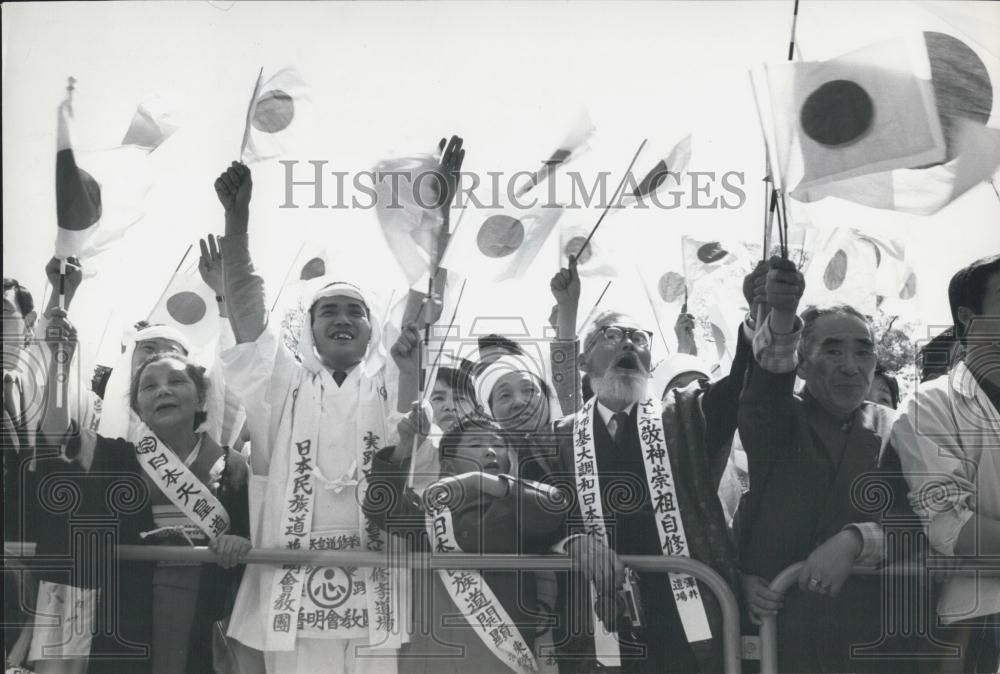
352, 375
606, 413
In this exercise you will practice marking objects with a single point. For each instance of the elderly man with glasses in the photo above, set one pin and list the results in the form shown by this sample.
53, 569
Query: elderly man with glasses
643, 475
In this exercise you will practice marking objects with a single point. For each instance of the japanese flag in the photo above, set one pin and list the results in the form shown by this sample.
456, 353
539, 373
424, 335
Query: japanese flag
496, 245
279, 118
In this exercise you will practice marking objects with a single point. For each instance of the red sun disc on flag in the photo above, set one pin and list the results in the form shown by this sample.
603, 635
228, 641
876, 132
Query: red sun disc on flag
711, 252
573, 247
314, 268
837, 113
500, 236
274, 112
836, 271
187, 308
671, 287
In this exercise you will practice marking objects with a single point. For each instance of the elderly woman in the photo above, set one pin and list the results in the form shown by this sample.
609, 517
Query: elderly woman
167, 484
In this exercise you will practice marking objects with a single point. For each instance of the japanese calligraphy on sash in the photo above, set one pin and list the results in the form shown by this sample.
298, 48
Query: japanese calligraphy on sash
385, 628
477, 601
299, 593
296, 522
663, 498
172, 477
334, 599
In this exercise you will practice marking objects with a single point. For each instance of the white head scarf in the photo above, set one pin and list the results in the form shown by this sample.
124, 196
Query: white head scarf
375, 355
117, 417
675, 364
504, 365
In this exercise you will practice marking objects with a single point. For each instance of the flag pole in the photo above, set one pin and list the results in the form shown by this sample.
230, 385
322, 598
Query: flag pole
652, 305
607, 206
288, 273
70, 87
60, 365
167, 287
593, 309
423, 389
250, 109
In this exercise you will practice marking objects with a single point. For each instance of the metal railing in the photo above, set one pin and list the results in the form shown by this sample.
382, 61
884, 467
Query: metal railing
789, 577
727, 599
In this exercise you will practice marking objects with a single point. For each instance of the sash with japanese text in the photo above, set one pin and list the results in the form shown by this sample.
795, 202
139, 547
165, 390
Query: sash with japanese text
477, 601
172, 477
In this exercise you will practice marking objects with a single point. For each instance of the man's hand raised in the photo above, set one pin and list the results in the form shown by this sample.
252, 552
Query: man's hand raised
784, 288
233, 187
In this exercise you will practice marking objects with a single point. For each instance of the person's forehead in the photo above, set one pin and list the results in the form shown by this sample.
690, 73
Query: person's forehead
515, 378
479, 438
339, 301
841, 327
160, 344
165, 366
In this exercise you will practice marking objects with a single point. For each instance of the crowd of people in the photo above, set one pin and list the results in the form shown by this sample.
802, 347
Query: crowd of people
802, 452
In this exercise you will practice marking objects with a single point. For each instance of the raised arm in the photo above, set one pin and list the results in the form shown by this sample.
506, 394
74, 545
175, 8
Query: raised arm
720, 402
564, 350
243, 290
766, 412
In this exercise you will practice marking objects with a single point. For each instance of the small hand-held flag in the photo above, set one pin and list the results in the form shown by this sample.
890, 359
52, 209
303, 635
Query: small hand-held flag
278, 115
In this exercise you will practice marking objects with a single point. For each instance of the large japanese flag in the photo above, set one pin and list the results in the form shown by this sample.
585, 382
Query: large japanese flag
868, 111
963, 75
100, 194
496, 245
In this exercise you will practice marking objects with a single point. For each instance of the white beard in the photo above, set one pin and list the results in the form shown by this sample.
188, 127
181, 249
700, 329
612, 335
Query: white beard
620, 387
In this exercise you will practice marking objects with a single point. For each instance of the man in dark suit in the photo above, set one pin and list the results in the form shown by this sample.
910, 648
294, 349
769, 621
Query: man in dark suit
808, 455
608, 456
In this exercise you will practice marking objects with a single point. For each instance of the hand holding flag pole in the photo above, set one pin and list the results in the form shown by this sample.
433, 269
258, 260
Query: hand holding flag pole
452, 156
70, 87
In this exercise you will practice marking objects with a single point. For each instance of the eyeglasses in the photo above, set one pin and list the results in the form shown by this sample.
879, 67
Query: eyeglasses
614, 334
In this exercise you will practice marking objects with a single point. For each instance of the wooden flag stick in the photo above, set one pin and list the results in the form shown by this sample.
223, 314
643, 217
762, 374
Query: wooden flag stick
250, 109
593, 309
795, 20
607, 206
166, 288
652, 305
425, 388
288, 274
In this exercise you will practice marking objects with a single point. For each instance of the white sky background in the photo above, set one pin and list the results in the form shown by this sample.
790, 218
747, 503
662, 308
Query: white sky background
390, 79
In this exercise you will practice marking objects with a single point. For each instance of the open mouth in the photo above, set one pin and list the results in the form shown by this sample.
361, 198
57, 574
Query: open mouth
627, 362
162, 407
340, 336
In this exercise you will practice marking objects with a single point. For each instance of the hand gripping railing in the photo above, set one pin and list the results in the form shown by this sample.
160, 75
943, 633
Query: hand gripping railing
655, 564
789, 577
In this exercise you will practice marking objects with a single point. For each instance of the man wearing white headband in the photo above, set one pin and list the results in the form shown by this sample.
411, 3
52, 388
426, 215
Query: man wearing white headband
315, 422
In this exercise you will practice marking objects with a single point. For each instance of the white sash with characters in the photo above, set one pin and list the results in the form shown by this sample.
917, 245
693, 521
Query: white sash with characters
173, 477
663, 497
474, 597
329, 602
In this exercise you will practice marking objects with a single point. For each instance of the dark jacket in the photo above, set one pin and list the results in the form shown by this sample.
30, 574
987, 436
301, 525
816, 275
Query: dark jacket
516, 524
85, 513
811, 475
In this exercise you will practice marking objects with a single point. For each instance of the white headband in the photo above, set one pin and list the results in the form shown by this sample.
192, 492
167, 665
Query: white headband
163, 332
498, 369
375, 355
